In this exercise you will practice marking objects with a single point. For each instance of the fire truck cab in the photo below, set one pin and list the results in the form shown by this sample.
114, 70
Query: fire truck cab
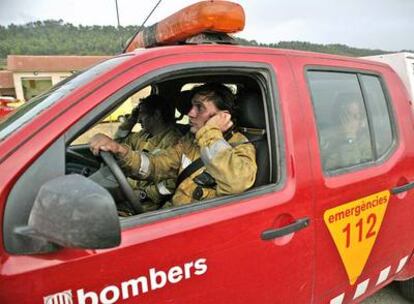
329, 219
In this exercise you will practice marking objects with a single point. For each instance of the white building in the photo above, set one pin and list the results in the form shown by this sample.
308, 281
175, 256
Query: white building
32, 75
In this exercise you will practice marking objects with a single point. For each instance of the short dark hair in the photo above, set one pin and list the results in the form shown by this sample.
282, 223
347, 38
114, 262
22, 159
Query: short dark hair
156, 102
218, 93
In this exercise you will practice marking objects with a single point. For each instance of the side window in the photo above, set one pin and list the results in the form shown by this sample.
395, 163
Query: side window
377, 107
251, 121
109, 124
33, 86
353, 120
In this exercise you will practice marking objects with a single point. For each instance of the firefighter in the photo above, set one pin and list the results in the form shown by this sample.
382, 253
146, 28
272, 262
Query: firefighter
351, 144
158, 132
228, 160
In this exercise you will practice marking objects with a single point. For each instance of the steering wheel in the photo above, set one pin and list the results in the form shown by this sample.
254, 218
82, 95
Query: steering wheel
133, 201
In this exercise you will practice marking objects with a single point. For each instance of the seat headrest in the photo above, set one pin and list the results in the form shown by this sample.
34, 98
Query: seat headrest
182, 102
250, 110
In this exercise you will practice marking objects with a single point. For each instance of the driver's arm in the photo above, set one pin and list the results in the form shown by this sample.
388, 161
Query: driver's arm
141, 165
102, 142
137, 164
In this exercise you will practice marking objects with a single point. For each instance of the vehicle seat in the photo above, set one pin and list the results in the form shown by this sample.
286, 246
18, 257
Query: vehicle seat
182, 102
251, 121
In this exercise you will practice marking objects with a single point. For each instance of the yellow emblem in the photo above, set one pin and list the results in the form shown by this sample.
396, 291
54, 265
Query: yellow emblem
354, 227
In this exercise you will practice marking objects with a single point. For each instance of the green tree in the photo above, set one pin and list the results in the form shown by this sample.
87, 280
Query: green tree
55, 37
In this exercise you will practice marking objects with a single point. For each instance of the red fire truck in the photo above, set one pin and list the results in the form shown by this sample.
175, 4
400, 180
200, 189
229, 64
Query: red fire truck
322, 223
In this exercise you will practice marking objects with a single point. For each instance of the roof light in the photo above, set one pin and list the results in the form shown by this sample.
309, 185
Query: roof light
205, 16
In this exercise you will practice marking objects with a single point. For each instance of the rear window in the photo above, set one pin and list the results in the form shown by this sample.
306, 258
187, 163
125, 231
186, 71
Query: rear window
353, 118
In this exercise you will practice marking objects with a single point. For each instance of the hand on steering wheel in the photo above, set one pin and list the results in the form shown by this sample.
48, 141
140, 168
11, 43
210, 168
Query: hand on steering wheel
133, 201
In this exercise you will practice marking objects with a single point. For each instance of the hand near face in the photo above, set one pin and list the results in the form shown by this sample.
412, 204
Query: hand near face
101, 142
222, 120
351, 119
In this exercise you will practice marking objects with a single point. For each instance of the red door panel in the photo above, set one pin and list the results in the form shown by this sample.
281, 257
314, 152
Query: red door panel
213, 255
373, 232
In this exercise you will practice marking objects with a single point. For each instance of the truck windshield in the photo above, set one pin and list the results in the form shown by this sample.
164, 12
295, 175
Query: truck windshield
39, 103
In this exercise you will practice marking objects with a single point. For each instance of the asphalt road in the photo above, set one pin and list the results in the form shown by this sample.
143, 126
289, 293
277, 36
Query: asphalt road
388, 295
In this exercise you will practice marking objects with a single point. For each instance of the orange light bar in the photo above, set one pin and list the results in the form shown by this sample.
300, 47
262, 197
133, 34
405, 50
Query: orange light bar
205, 16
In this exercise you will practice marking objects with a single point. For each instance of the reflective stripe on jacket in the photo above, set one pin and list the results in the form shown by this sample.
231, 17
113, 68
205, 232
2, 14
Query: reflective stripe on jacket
232, 164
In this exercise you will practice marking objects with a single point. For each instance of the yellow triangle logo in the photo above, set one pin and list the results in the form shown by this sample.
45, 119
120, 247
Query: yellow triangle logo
354, 227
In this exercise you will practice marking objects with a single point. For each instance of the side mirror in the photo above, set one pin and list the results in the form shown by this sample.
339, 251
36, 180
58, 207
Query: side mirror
73, 211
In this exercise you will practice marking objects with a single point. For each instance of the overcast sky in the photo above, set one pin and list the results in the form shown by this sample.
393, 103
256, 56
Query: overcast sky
375, 24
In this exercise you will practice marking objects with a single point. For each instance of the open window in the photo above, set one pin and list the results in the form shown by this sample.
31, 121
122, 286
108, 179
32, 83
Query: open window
110, 123
253, 100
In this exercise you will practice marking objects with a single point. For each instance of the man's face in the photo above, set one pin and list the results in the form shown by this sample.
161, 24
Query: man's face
352, 119
145, 120
201, 111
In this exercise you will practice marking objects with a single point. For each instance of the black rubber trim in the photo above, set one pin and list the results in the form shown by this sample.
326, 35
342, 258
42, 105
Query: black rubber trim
278, 232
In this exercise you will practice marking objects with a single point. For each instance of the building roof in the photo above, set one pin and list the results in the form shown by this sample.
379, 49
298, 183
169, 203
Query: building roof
6, 80
18, 63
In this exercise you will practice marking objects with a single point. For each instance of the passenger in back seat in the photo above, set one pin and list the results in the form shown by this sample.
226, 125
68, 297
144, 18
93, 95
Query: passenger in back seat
351, 144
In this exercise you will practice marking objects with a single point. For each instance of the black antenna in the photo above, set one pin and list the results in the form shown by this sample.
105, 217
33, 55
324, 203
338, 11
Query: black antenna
117, 12
118, 25
142, 25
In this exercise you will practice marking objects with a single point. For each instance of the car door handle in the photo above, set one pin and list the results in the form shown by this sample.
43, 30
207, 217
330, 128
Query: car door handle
403, 188
278, 232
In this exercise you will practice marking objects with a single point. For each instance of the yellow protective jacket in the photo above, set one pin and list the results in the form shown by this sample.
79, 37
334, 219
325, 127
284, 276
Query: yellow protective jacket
343, 151
143, 141
231, 163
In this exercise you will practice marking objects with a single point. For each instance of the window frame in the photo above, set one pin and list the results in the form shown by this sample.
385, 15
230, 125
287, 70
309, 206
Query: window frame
377, 159
276, 143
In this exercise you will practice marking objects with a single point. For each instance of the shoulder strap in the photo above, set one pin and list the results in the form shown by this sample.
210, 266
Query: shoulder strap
197, 164
193, 167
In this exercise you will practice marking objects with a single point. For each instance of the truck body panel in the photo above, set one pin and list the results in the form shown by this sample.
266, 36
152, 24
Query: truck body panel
214, 251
